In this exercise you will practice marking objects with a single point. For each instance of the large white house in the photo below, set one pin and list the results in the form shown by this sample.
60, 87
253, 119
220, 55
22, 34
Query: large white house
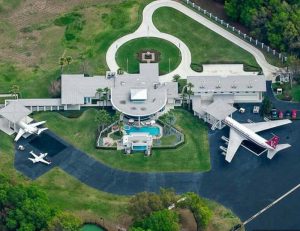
215, 93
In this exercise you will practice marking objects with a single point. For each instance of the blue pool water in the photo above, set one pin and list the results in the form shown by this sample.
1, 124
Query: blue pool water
139, 148
152, 130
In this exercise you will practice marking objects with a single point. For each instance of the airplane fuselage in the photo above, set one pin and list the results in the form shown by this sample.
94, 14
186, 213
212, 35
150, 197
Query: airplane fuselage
247, 133
27, 128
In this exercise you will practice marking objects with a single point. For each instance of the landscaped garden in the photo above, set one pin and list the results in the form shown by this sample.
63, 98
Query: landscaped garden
205, 45
191, 156
169, 55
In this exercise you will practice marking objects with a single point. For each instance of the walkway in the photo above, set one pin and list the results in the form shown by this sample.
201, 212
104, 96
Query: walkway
147, 29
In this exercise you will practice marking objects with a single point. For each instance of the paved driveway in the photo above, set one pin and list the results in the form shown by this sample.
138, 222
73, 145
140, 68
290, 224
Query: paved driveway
246, 185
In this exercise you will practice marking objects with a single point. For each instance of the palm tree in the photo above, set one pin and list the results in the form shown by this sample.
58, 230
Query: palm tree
62, 62
15, 90
106, 91
99, 92
189, 93
69, 60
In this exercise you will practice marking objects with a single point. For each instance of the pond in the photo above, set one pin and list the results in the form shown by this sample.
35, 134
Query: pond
91, 227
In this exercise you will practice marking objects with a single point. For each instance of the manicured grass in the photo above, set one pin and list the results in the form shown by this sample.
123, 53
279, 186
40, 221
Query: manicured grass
168, 52
192, 156
168, 140
205, 45
296, 93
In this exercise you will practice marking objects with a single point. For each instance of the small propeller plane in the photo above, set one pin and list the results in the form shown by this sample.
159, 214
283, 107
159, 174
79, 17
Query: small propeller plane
39, 158
29, 128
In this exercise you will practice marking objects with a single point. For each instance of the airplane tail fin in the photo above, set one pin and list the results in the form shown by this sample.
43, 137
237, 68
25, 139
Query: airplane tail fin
279, 147
41, 130
273, 142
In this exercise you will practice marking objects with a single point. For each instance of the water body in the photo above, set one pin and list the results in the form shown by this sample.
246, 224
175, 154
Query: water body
91, 227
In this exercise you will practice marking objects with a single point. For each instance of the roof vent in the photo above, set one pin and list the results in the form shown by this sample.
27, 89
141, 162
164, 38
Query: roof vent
202, 84
250, 84
233, 85
219, 84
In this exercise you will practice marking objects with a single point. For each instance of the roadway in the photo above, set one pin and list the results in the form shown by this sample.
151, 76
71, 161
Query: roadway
147, 29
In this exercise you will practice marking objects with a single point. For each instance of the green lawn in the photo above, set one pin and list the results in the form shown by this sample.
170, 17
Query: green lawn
192, 156
205, 45
296, 93
168, 52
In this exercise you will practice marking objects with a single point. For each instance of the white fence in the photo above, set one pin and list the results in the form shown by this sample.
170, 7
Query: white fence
237, 32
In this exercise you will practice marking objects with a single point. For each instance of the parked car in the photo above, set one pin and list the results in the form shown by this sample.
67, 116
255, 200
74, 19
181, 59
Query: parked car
274, 114
288, 113
280, 114
294, 114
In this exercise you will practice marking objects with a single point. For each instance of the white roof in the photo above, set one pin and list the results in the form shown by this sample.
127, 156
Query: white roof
138, 94
75, 87
40, 102
219, 109
231, 83
14, 112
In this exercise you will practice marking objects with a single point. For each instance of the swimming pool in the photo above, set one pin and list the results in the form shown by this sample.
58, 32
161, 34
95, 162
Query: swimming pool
152, 130
139, 148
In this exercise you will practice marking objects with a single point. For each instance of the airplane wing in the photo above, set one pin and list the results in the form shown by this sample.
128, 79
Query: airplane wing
261, 126
44, 161
33, 160
234, 143
37, 124
34, 155
20, 134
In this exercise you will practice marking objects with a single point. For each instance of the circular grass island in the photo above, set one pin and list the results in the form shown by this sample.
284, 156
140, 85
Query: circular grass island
168, 54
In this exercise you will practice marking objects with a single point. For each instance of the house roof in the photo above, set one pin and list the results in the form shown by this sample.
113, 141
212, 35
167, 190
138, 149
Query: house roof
230, 83
219, 109
144, 86
14, 112
75, 87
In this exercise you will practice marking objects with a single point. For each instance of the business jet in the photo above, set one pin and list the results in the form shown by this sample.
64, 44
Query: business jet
240, 132
29, 128
39, 158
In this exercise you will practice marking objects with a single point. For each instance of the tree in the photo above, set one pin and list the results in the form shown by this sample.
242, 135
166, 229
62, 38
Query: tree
144, 203
24, 207
164, 220
62, 63
102, 118
69, 60
55, 88
106, 91
14, 90
189, 93
266, 106
201, 212
176, 78
169, 118
294, 69
64, 221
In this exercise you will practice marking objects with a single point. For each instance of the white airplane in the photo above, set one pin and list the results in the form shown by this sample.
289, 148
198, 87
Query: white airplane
39, 158
240, 132
29, 128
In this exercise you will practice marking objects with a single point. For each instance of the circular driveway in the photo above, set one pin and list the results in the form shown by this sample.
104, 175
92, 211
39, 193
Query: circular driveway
147, 29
